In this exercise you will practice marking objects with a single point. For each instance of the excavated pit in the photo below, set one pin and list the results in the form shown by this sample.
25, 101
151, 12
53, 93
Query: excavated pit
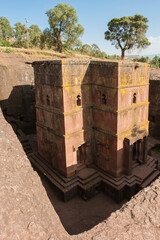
76, 215
18, 106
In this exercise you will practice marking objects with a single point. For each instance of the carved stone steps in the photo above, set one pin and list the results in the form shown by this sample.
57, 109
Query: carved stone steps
150, 179
89, 181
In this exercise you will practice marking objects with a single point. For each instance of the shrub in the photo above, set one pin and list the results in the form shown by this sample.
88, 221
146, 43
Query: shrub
143, 59
20, 44
9, 50
5, 44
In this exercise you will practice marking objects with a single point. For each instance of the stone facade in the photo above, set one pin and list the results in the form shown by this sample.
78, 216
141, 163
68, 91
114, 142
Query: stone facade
92, 112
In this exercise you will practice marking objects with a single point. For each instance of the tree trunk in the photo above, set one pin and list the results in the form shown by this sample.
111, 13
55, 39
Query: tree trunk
59, 43
122, 53
60, 46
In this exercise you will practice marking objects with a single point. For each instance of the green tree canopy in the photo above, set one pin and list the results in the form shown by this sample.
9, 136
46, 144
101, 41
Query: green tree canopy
104, 55
155, 63
34, 35
6, 31
128, 32
46, 39
78, 45
64, 25
96, 50
143, 59
86, 48
20, 31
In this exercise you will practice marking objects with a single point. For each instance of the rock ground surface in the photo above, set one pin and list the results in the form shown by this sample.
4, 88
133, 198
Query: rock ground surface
155, 74
26, 212
137, 219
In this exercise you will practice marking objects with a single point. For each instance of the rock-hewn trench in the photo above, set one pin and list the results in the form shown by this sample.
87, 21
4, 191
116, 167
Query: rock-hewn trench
30, 206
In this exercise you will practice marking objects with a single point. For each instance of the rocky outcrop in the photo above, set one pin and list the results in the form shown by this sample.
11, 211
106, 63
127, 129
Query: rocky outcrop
137, 219
154, 74
26, 212
15, 71
17, 94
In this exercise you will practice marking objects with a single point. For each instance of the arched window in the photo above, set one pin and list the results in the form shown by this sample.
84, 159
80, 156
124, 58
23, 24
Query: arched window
104, 99
48, 100
134, 98
78, 100
136, 67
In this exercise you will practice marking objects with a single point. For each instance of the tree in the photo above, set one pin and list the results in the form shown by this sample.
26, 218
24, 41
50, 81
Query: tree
142, 59
63, 24
34, 35
96, 50
104, 55
87, 49
20, 31
46, 39
128, 32
6, 31
78, 45
155, 63
72, 36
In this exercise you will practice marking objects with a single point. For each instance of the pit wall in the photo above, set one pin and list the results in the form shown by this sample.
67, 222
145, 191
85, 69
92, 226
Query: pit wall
14, 75
154, 108
17, 94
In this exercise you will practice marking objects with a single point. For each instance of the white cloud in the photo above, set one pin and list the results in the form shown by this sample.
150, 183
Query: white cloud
154, 48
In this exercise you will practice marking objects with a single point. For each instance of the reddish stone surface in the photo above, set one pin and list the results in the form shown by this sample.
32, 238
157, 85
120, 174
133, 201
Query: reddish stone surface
86, 110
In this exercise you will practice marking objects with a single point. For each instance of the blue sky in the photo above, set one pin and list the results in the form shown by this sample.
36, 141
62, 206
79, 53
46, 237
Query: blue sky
93, 16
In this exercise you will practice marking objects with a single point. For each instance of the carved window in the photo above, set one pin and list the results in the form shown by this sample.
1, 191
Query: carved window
48, 100
104, 99
136, 67
134, 98
78, 100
